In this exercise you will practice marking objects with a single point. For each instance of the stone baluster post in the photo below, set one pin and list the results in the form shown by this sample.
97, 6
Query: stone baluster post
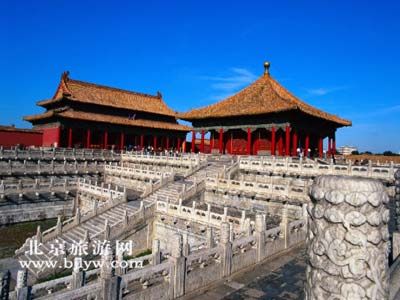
260, 228
107, 230
285, 225
2, 189
193, 209
78, 276
156, 252
5, 284
20, 189
95, 206
21, 289
39, 235
179, 266
186, 245
179, 206
232, 233
51, 187
126, 218
226, 245
38, 167
210, 238
110, 284
225, 215
208, 213
120, 268
78, 216
347, 240
9, 164
243, 220
59, 226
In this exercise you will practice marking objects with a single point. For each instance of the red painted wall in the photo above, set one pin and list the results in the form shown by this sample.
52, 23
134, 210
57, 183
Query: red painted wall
12, 138
51, 136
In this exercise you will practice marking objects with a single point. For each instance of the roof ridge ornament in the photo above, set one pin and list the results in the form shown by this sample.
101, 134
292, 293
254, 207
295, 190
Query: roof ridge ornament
159, 96
64, 76
266, 68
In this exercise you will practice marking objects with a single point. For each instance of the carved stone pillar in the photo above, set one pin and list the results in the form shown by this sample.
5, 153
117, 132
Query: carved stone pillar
78, 276
156, 252
22, 290
226, 245
5, 284
260, 236
179, 266
347, 241
110, 284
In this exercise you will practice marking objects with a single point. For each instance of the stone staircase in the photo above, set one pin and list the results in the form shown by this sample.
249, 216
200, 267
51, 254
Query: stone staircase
95, 226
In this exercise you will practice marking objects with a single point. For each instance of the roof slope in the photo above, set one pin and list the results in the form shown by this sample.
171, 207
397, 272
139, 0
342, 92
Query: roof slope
85, 92
77, 115
263, 96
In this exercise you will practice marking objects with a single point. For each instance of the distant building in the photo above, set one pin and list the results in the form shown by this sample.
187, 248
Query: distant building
87, 115
347, 150
11, 136
265, 119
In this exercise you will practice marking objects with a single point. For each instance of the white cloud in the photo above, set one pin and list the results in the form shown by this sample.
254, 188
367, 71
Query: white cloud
239, 77
324, 91
228, 85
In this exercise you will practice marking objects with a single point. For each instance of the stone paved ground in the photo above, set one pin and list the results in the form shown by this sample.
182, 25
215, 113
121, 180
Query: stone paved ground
281, 278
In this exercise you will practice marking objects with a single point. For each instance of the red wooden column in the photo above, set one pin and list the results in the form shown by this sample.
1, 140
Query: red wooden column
88, 138
193, 140
202, 141
321, 147
272, 140
306, 145
248, 141
141, 141
155, 143
333, 144
287, 141
70, 138
221, 141
105, 139
294, 149
329, 147
179, 144
122, 141
167, 143
280, 144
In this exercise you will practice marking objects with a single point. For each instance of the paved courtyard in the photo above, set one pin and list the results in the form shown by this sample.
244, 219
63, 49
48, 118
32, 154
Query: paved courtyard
281, 278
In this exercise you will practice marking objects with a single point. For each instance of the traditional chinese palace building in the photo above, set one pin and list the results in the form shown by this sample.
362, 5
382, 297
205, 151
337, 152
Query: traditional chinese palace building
87, 115
263, 119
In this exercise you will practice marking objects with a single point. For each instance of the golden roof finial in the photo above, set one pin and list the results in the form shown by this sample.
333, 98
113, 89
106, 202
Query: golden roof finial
266, 68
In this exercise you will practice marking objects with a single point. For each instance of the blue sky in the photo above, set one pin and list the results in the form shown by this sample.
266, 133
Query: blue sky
340, 56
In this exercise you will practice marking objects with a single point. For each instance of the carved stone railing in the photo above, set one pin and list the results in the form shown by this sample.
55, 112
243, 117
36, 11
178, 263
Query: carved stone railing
205, 217
184, 160
49, 167
37, 186
296, 190
136, 173
181, 274
59, 154
74, 221
313, 168
101, 191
